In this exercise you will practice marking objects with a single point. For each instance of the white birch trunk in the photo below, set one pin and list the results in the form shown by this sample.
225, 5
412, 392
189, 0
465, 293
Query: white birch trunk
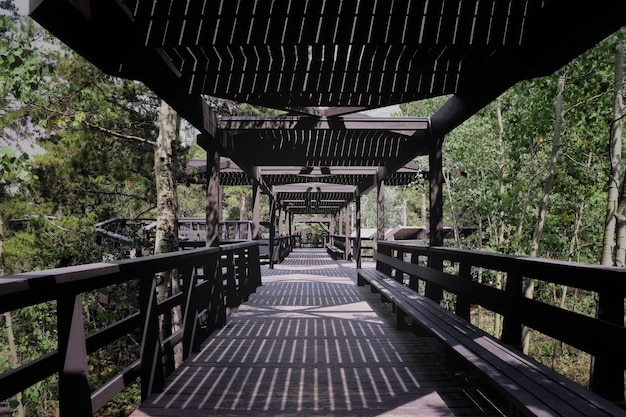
529, 284
616, 136
166, 239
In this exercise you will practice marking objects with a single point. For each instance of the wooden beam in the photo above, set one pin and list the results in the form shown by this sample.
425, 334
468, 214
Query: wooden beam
325, 112
404, 125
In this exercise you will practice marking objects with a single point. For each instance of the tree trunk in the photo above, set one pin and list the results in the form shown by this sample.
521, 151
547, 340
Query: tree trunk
405, 214
1, 246
529, 284
498, 321
166, 239
424, 211
9, 324
243, 208
455, 224
616, 136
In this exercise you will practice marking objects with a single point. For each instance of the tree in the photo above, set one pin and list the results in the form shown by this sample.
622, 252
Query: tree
166, 239
18, 68
81, 184
529, 285
616, 201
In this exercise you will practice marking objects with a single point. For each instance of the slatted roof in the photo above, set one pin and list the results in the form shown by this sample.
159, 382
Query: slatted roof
322, 62
306, 190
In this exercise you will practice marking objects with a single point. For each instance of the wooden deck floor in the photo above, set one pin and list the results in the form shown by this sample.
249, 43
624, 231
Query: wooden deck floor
312, 343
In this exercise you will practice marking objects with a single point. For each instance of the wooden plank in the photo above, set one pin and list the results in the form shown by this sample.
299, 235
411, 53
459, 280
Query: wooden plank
530, 385
311, 342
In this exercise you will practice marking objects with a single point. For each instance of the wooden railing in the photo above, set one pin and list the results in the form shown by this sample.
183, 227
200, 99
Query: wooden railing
207, 290
283, 246
603, 336
366, 246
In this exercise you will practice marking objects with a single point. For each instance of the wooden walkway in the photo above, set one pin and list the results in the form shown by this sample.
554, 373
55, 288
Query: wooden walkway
312, 343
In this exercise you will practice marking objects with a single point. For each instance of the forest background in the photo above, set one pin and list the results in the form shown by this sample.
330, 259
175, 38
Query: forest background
537, 172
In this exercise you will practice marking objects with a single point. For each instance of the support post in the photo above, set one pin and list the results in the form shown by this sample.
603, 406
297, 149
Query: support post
347, 250
339, 226
380, 212
212, 197
435, 162
357, 242
256, 209
272, 231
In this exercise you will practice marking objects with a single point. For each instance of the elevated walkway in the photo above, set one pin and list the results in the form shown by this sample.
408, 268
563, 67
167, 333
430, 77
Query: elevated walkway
310, 342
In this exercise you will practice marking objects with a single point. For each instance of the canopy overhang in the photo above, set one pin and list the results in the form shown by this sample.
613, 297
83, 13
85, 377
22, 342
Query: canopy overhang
324, 63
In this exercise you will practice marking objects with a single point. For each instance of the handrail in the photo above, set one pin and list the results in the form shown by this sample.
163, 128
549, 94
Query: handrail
203, 300
603, 336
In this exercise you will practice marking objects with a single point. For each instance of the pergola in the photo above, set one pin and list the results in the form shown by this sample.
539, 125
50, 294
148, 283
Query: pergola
323, 63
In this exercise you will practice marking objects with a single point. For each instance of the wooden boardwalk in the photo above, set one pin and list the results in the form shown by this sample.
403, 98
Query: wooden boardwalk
311, 343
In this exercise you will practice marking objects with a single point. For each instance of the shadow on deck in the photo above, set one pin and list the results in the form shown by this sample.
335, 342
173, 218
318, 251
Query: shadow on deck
310, 342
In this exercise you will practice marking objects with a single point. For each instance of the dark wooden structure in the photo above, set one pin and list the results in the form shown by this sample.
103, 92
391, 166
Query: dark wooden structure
324, 63
213, 279
532, 388
310, 342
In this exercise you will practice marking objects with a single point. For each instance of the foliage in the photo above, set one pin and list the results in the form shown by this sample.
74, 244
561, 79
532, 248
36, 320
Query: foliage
88, 107
312, 235
235, 199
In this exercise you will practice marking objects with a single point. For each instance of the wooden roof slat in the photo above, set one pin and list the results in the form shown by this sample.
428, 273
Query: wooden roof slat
300, 56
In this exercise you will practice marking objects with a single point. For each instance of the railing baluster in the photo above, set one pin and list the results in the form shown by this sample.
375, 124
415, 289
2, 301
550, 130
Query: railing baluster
215, 296
432, 290
228, 262
190, 310
254, 274
241, 268
398, 275
413, 279
152, 373
512, 320
606, 378
74, 391
463, 302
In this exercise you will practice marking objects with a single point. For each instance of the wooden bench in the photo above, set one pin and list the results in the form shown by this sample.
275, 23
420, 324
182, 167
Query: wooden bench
531, 388
334, 252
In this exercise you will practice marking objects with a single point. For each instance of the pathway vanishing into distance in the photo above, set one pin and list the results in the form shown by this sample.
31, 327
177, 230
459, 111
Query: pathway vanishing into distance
311, 343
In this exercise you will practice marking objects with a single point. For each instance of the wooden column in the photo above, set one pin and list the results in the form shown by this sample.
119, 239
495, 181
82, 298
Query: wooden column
272, 230
357, 242
256, 209
380, 212
435, 162
212, 197
339, 226
346, 252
